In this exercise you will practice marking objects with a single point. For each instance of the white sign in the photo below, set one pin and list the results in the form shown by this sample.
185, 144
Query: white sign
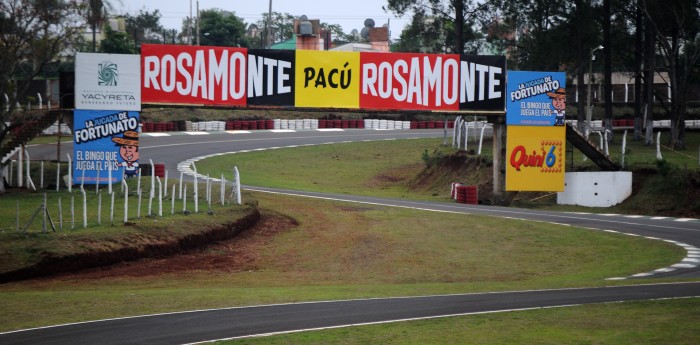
107, 82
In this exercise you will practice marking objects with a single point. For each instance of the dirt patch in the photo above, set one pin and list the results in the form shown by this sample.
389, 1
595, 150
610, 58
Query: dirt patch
456, 167
230, 255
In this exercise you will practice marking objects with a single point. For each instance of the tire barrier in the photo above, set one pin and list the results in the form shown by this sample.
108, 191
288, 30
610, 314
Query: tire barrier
159, 169
293, 124
379, 124
467, 195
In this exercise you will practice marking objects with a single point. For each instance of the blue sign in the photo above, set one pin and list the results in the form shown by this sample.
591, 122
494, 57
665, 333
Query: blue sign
536, 98
105, 140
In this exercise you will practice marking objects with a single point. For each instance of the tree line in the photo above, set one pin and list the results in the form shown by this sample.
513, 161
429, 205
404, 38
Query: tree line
647, 38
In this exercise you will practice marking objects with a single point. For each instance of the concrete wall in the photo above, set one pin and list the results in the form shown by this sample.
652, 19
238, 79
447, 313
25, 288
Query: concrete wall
595, 189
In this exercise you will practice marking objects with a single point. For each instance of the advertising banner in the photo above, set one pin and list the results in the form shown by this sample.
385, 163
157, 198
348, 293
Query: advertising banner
535, 158
271, 77
410, 81
482, 83
103, 140
327, 79
107, 81
194, 74
536, 98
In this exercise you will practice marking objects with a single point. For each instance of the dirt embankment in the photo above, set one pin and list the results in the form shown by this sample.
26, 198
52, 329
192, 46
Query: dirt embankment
51, 264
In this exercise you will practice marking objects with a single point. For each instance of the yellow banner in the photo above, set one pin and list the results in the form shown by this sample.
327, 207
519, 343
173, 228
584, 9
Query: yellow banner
327, 79
535, 158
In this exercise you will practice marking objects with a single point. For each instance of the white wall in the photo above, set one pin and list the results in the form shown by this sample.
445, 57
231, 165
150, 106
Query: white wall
595, 189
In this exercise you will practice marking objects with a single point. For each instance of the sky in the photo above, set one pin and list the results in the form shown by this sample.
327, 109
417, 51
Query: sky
350, 14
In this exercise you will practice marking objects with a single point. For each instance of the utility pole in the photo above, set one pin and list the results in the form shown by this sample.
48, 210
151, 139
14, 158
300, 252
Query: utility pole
197, 22
268, 29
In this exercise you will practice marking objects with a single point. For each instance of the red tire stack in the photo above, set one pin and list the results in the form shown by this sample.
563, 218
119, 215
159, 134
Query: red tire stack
159, 169
467, 195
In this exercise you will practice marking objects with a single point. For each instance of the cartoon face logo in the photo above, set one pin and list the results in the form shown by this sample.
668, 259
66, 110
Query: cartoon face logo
559, 103
129, 152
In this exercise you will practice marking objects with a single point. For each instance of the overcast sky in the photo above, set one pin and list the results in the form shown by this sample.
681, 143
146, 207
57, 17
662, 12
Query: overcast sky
350, 14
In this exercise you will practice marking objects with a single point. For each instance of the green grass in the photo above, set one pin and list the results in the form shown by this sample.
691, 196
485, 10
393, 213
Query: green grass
648, 322
24, 242
343, 251
372, 168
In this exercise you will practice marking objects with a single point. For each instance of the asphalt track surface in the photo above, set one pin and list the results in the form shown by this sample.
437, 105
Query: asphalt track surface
199, 326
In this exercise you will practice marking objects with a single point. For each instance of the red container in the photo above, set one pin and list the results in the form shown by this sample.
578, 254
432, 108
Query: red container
237, 125
252, 124
344, 124
337, 123
360, 123
262, 124
229, 125
321, 123
414, 124
270, 124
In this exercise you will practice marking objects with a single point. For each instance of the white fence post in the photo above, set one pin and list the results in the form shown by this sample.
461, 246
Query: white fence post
237, 185
126, 200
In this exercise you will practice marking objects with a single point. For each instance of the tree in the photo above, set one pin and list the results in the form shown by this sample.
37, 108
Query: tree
32, 35
281, 27
96, 15
337, 33
674, 27
116, 42
222, 28
459, 20
145, 27
422, 35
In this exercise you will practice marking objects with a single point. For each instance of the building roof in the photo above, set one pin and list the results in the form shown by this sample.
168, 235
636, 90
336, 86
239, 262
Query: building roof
290, 44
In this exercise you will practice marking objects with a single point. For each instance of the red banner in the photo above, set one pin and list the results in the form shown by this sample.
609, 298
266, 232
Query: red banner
410, 81
193, 74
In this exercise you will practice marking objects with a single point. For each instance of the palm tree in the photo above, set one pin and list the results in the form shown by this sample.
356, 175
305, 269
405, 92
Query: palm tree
97, 14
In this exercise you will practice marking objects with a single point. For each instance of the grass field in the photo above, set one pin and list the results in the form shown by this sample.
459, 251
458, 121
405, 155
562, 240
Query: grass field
342, 251
333, 250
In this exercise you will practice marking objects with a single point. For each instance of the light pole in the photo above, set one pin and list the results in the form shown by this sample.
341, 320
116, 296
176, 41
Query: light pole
589, 110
